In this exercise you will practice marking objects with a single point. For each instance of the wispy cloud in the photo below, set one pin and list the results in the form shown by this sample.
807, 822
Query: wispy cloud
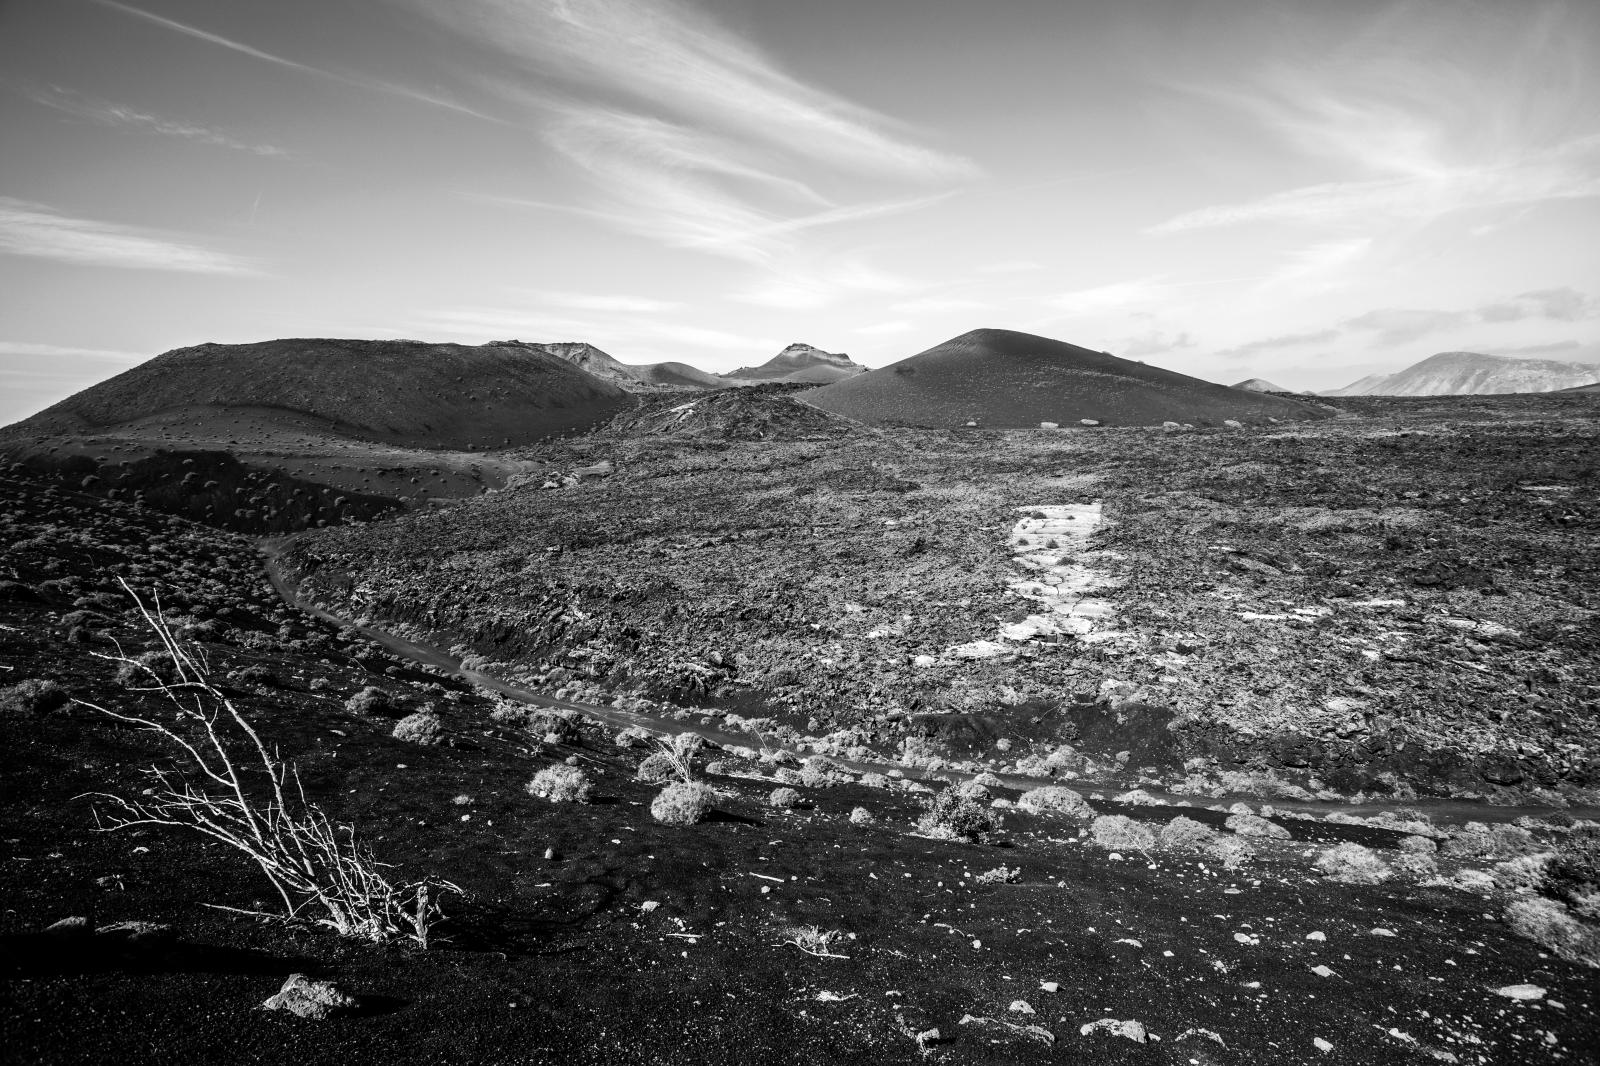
1155, 342
631, 305
29, 348
360, 81
1116, 296
1394, 326
37, 230
884, 329
937, 305
819, 282
1561, 305
1414, 131
693, 137
1286, 340
112, 114
668, 55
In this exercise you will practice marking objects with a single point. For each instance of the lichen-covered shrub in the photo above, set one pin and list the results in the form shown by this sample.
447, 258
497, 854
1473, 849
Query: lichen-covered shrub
1418, 845
953, 816
1250, 825
1574, 873
632, 737
1056, 801
1229, 850
819, 772
1185, 834
1550, 925
973, 791
424, 727
553, 727
656, 769
1120, 831
561, 784
371, 700
783, 798
682, 803
872, 779
1353, 864
1000, 875
31, 696
147, 670
1137, 798
861, 816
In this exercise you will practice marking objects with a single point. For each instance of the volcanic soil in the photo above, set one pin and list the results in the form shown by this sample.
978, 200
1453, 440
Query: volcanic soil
590, 932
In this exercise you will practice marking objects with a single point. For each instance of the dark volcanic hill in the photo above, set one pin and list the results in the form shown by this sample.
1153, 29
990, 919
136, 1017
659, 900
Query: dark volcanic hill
1473, 374
1257, 385
1001, 378
801, 363
395, 392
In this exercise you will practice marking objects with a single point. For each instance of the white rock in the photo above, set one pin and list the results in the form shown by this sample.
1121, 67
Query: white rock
1322, 971
1520, 992
1049, 986
1321, 1044
1381, 931
1131, 1029
1020, 1006
1316, 936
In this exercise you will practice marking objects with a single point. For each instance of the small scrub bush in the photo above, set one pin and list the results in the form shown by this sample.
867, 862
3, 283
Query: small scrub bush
1251, 825
1137, 798
874, 780
1549, 924
973, 791
788, 776
988, 780
31, 696
1524, 873
632, 737
424, 727
552, 728
1119, 831
1574, 873
720, 767
561, 784
682, 803
1185, 834
371, 700
1416, 845
1231, 851
1352, 864
819, 772
861, 816
656, 769
1000, 875
257, 674
783, 798
1056, 801
956, 817
149, 670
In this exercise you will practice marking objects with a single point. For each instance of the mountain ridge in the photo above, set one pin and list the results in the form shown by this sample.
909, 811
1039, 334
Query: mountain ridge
1473, 374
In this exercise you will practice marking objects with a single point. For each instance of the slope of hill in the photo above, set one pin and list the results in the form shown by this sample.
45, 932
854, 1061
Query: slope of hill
396, 392
1000, 378
678, 375
588, 358
1258, 385
801, 363
1473, 374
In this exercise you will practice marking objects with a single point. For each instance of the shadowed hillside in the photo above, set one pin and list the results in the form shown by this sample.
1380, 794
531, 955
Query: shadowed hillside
801, 363
1000, 378
396, 392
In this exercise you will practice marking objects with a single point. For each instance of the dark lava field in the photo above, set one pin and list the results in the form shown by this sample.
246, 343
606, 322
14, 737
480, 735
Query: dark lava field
1308, 771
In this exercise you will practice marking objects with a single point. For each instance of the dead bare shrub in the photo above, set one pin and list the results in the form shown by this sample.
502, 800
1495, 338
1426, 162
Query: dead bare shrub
314, 863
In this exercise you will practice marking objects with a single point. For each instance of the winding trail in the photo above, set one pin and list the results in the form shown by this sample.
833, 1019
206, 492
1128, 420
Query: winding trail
1442, 811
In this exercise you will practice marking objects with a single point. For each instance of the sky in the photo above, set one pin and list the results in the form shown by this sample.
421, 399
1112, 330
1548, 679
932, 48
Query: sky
1298, 190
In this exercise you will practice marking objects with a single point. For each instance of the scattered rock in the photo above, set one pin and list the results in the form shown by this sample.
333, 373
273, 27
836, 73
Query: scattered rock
1523, 992
1131, 1029
1027, 1032
307, 998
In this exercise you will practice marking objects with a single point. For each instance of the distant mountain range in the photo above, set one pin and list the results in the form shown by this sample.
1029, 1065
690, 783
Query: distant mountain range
799, 363
1473, 374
